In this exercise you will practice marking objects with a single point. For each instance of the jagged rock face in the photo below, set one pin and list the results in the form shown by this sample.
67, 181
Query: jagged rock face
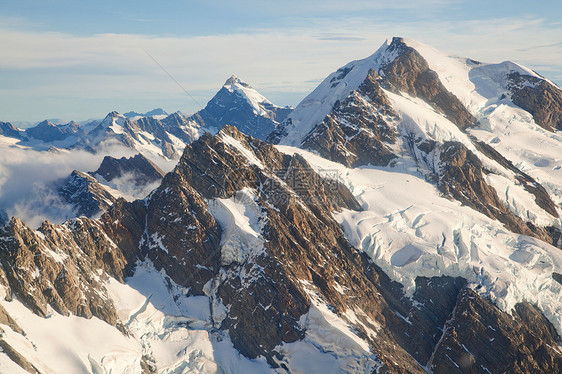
539, 97
479, 339
9, 130
58, 266
239, 105
462, 176
410, 73
48, 132
356, 132
180, 236
180, 127
85, 193
142, 169
542, 198
301, 258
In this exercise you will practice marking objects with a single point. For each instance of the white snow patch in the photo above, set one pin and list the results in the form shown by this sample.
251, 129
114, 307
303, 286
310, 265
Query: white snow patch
242, 221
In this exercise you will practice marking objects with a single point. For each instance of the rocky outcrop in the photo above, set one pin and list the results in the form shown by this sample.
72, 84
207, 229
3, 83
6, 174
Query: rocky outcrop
15, 356
85, 194
480, 339
542, 198
356, 132
461, 176
301, 259
539, 97
142, 170
410, 73
58, 266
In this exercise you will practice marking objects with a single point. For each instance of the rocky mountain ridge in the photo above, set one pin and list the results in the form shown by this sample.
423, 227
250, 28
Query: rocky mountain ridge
157, 133
396, 228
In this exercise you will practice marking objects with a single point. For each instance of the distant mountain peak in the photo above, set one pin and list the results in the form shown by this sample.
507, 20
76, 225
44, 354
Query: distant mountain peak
45, 123
234, 80
239, 104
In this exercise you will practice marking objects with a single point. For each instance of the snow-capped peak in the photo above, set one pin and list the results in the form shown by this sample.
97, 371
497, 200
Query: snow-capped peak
114, 121
243, 89
336, 87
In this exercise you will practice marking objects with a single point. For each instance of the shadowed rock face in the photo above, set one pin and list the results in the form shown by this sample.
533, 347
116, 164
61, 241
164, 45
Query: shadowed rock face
539, 97
48, 132
9, 130
143, 170
479, 338
462, 177
356, 132
85, 193
230, 107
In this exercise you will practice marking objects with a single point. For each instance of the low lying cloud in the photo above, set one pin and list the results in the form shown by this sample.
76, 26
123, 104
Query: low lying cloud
28, 181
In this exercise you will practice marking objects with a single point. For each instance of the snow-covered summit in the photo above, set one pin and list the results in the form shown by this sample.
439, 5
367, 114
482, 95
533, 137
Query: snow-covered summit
244, 90
472, 82
336, 87
240, 105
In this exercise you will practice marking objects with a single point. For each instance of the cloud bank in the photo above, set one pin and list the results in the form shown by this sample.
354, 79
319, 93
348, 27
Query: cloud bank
53, 74
29, 180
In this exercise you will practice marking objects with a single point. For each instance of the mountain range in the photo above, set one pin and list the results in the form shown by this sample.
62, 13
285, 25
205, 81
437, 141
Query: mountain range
403, 218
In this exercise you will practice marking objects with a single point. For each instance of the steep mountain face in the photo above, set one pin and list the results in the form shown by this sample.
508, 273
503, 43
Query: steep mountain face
85, 193
9, 130
155, 133
390, 84
147, 135
399, 227
261, 245
239, 105
93, 193
356, 132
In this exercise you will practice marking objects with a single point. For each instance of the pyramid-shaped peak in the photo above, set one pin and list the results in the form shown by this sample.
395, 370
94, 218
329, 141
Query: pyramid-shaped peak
45, 123
235, 81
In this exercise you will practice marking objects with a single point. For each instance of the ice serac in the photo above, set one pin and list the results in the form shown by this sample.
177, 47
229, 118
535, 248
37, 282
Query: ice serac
240, 105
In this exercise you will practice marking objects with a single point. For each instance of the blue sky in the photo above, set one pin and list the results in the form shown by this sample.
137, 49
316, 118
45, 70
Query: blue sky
79, 60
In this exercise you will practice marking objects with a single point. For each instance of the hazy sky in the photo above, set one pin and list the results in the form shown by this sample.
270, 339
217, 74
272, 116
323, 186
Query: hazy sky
77, 60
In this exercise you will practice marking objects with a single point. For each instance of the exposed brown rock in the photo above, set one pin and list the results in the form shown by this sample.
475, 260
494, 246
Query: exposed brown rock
356, 132
462, 177
479, 339
542, 198
57, 267
17, 357
539, 97
410, 73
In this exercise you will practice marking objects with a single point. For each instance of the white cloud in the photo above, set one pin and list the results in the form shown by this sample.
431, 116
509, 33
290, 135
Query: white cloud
27, 177
62, 75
